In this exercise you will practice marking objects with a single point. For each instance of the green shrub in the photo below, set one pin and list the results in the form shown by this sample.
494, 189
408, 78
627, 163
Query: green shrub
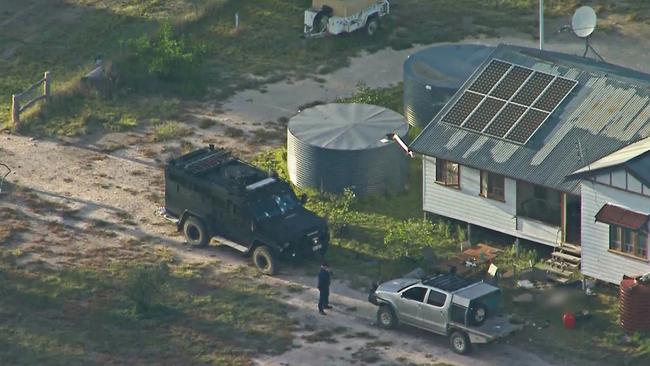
338, 211
167, 56
409, 238
170, 130
391, 97
273, 161
144, 284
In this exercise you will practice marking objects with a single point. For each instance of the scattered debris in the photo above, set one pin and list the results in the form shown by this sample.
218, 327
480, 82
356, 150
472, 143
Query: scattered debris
525, 297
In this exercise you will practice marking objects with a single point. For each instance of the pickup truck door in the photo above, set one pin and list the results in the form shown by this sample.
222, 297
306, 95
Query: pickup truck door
433, 314
410, 303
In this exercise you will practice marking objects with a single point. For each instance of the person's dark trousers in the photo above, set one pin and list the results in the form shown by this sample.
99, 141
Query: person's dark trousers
324, 299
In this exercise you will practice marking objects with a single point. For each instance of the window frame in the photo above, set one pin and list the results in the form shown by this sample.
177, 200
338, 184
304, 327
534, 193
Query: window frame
443, 175
484, 188
628, 242
424, 296
431, 292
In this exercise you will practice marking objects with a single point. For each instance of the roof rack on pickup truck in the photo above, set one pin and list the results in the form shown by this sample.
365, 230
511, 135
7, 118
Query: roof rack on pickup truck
447, 282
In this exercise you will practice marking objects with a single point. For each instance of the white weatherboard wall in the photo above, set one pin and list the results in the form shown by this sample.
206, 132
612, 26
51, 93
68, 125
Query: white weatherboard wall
467, 205
597, 261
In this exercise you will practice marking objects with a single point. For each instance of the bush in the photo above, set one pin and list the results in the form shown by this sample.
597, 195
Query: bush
391, 98
338, 211
409, 238
167, 56
144, 284
170, 130
273, 161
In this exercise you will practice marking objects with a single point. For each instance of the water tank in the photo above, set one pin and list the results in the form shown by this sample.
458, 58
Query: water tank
433, 75
634, 305
334, 146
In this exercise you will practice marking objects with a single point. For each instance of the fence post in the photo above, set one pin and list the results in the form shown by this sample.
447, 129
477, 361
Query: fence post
15, 110
237, 20
46, 85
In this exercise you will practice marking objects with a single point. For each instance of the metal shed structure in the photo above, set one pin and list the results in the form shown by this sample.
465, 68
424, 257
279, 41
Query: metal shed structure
432, 76
335, 146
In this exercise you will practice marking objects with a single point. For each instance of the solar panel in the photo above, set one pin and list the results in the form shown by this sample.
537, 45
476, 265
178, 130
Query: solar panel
484, 114
511, 83
490, 76
463, 107
533, 88
527, 126
509, 101
555, 94
505, 120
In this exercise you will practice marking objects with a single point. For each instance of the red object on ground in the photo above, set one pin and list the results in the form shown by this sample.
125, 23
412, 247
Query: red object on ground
569, 320
634, 297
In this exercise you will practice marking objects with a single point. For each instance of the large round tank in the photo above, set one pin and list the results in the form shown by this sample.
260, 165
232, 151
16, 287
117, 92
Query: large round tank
331, 147
634, 302
433, 75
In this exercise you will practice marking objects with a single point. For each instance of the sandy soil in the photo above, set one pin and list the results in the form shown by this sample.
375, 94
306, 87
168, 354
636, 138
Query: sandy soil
99, 193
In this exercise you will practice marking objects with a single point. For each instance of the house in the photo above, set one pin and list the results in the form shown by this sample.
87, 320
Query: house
551, 148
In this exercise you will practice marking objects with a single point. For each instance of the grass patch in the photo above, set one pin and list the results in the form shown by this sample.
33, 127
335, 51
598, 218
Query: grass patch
170, 130
82, 316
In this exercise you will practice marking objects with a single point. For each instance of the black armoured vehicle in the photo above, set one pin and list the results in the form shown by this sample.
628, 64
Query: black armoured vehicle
215, 197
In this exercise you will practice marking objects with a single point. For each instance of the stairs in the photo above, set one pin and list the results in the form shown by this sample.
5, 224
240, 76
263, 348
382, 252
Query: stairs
564, 261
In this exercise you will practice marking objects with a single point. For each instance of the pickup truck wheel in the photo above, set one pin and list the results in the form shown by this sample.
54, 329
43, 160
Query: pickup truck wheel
459, 342
195, 232
478, 314
264, 260
372, 26
386, 317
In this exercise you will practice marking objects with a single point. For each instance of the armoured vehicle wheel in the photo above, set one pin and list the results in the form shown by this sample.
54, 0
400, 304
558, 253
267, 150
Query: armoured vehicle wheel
372, 26
264, 260
459, 342
478, 314
386, 317
195, 232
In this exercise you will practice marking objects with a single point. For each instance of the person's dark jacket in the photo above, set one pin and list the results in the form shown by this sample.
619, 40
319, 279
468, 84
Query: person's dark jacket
324, 279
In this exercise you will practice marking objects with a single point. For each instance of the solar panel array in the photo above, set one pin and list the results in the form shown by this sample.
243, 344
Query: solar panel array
509, 101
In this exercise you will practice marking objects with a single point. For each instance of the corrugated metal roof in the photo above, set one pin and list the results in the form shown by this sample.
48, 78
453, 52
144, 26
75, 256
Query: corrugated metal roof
618, 157
608, 110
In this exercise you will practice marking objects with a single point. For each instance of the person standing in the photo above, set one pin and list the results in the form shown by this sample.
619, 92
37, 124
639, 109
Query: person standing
324, 280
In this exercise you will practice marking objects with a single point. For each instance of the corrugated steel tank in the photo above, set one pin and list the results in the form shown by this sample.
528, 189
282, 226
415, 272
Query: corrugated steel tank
634, 305
331, 147
433, 75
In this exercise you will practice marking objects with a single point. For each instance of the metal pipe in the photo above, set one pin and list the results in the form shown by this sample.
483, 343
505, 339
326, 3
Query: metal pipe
541, 24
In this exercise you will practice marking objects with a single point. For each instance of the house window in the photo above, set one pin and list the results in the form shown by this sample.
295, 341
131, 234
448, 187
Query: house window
447, 173
628, 241
492, 186
539, 203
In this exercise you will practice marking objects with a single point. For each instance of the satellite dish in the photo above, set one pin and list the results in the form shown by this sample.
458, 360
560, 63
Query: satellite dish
584, 21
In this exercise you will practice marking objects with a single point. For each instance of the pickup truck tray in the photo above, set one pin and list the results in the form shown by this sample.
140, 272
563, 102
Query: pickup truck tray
494, 328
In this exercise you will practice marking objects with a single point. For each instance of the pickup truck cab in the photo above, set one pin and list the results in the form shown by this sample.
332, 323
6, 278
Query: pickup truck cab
466, 312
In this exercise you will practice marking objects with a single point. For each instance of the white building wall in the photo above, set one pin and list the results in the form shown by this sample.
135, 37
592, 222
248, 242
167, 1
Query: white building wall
467, 205
597, 261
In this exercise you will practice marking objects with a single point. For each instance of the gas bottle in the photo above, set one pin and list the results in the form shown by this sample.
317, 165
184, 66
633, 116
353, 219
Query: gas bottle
569, 320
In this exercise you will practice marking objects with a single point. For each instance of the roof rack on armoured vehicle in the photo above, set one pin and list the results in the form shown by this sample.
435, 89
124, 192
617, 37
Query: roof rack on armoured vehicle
218, 166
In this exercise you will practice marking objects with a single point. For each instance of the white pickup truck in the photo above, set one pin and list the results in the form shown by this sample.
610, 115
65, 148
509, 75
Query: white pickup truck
466, 312
332, 17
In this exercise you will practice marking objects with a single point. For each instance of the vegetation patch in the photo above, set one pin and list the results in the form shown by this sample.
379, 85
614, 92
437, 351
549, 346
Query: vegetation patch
170, 130
135, 315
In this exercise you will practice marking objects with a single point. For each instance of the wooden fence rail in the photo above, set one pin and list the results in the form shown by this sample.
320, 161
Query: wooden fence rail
17, 106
